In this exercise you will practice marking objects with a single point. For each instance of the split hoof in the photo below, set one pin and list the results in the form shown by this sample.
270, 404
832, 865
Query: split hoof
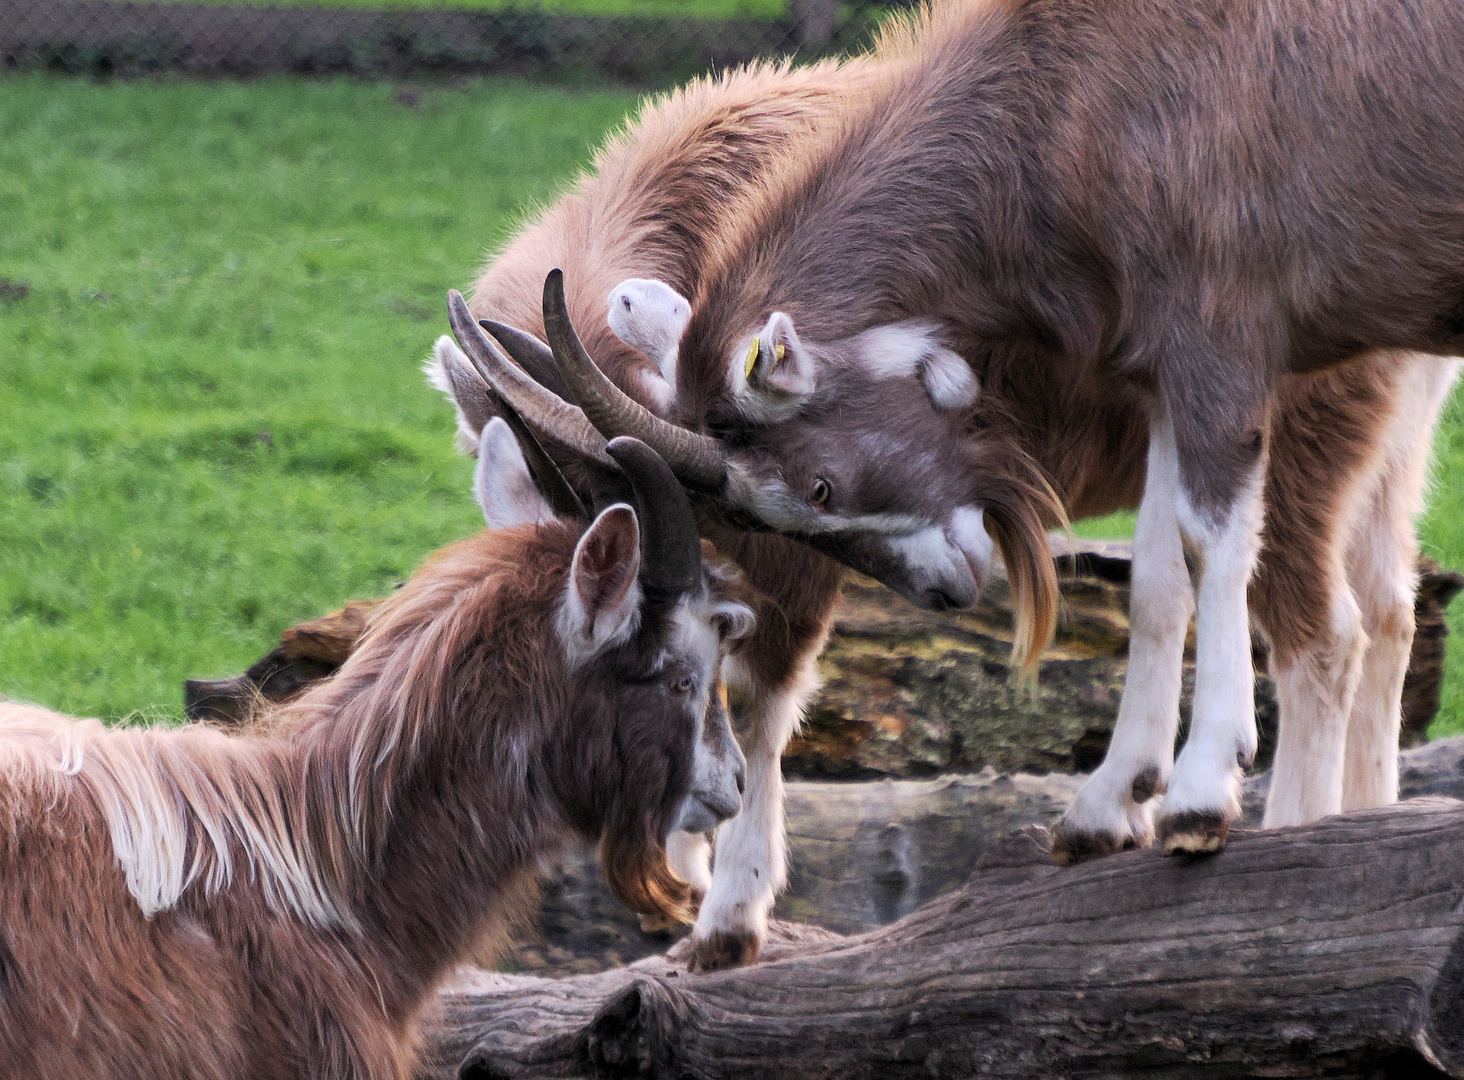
1194, 832
722, 950
1073, 846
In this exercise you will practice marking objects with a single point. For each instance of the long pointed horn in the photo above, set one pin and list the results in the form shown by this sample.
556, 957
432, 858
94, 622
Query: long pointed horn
697, 460
529, 353
671, 559
540, 408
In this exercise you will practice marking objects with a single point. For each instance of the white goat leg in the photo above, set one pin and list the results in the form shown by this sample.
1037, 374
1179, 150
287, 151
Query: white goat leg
1113, 809
1204, 789
751, 861
1315, 691
1382, 566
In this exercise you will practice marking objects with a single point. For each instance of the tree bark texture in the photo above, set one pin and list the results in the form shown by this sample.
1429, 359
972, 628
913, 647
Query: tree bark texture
1336, 949
863, 855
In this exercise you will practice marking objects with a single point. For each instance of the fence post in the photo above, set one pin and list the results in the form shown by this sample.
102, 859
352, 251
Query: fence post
813, 21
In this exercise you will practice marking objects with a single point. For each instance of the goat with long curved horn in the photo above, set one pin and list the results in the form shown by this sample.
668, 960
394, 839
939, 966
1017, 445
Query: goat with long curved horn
529, 353
697, 460
671, 549
543, 411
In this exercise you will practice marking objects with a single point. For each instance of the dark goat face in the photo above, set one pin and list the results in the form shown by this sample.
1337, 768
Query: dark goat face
851, 451
643, 645
866, 448
854, 445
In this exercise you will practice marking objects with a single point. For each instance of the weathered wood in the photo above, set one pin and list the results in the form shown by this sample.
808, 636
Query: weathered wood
1331, 950
863, 855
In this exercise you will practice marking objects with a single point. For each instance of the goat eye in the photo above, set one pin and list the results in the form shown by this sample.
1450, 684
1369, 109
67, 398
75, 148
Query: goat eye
821, 491
684, 685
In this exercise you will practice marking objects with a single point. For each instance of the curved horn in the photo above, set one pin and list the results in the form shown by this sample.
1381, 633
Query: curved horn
697, 460
671, 549
540, 409
529, 353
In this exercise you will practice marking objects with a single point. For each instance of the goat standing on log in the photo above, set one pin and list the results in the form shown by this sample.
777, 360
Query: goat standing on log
1173, 204
1348, 457
182, 903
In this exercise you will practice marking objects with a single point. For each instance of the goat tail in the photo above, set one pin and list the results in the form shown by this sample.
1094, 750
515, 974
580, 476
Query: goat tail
640, 877
1018, 512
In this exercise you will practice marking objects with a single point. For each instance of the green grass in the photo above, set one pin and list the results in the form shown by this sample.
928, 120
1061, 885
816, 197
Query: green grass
212, 422
701, 9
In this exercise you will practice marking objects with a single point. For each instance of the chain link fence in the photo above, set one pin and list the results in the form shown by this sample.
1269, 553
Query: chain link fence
213, 40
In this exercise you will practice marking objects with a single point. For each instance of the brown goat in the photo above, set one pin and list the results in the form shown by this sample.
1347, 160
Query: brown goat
1083, 211
1337, 534
185, 903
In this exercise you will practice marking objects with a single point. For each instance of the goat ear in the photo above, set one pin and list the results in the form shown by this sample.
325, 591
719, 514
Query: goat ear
602, 603
776, 360
450, 371
650, 316
901, 350
948, 379
502, 483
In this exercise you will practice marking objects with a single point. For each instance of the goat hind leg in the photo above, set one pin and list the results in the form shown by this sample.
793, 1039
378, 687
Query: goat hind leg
1382, 566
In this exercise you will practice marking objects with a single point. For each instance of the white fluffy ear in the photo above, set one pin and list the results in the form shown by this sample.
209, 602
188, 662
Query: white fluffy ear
901, 350
601, 605
649, 316
451, 372
776, 360
502, 483
948, 379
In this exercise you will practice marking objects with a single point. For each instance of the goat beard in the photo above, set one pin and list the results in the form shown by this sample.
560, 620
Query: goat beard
635, 866
1019, 506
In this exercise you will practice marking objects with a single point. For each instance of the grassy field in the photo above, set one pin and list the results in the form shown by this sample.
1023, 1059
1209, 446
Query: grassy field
211, 419
213, 301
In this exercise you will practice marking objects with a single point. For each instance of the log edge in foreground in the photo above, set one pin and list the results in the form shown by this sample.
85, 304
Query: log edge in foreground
1330, 950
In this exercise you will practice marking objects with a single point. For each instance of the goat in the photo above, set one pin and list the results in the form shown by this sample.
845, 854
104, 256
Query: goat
1089, 441
185, 903
944, 316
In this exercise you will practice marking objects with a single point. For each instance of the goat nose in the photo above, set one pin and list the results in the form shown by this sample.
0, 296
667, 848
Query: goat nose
742, 781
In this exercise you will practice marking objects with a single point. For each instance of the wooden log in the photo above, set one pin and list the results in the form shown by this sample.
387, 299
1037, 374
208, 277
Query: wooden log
1335, 950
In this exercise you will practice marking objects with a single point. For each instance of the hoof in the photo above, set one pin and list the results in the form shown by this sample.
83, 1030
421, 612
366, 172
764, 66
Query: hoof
1070, 847
1194, 832
722, 950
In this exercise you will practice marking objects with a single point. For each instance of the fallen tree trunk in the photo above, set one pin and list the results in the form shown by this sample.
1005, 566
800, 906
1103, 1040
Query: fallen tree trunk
1336, 949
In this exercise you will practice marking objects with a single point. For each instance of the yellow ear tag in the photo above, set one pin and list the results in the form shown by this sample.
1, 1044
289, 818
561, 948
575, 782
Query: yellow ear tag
779, 351
751, 360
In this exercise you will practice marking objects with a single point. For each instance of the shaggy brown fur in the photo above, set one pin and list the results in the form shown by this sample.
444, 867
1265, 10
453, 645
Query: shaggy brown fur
182, 903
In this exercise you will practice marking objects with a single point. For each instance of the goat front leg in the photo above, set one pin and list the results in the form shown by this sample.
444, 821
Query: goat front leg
1220, 443
1113, 809
775, 673
750, 866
